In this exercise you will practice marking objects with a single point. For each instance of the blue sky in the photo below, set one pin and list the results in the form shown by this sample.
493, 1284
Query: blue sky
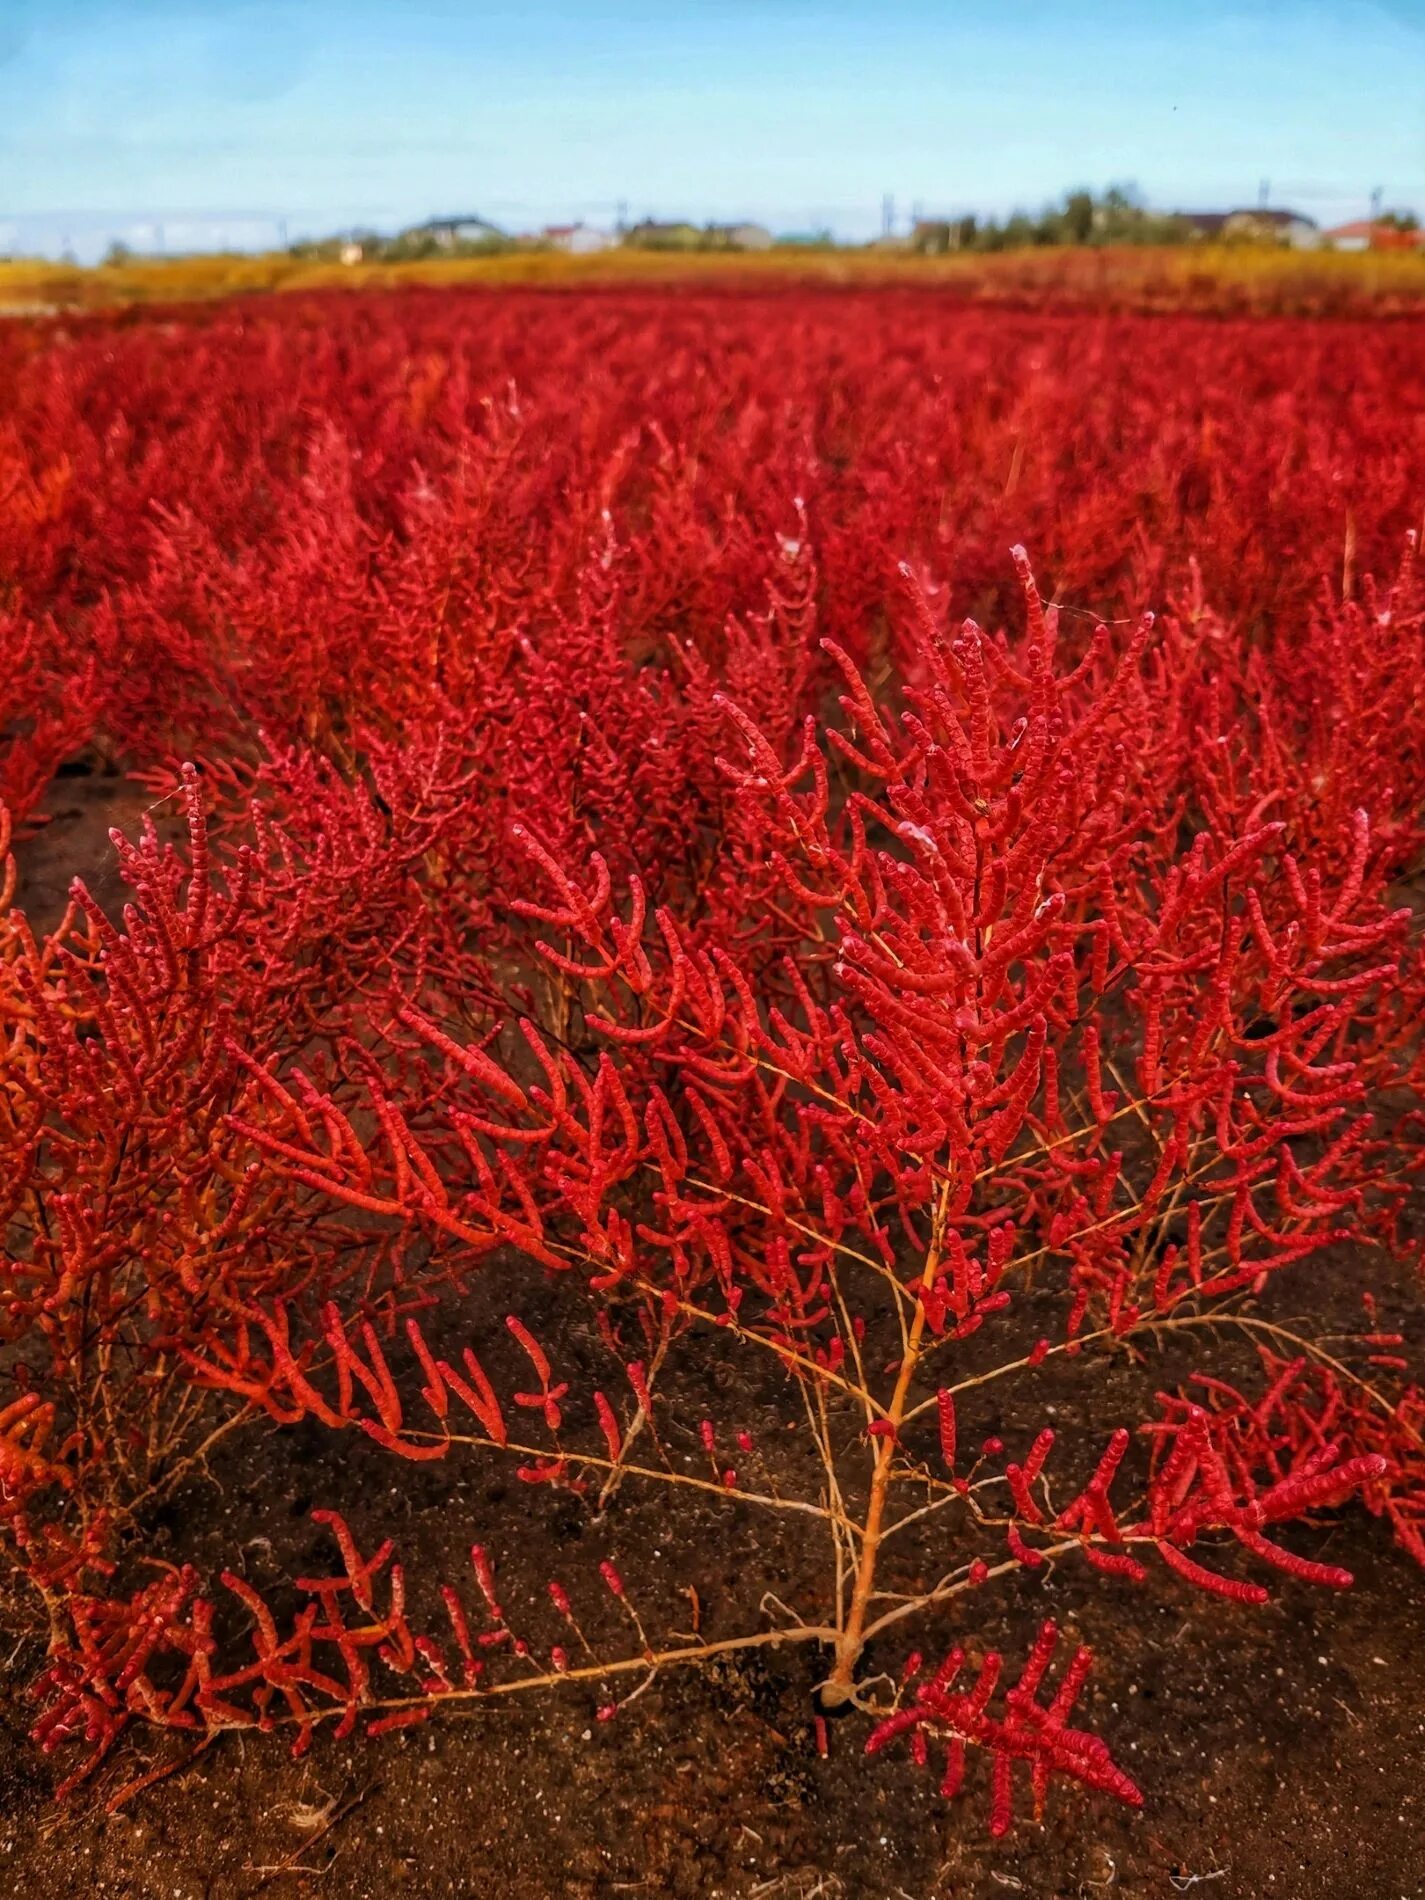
217, 117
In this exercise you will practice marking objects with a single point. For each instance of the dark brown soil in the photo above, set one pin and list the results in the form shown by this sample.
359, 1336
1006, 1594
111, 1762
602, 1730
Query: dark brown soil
84, 802
1280, 1749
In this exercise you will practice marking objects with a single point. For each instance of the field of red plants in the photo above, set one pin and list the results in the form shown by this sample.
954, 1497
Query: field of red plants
749, 1035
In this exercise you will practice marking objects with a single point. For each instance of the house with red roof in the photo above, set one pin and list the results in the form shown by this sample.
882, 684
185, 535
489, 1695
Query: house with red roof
1373, 234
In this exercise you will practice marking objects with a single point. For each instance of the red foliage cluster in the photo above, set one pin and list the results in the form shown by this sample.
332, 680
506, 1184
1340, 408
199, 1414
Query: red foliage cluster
615, 852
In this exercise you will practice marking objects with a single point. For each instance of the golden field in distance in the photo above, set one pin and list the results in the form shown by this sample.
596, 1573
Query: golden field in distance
1220, 278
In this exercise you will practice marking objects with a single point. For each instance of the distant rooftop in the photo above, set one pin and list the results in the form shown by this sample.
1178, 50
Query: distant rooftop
1274, 217
471, 221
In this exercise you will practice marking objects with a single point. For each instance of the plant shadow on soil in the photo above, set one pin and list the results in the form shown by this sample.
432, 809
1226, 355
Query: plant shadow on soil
1279, 1749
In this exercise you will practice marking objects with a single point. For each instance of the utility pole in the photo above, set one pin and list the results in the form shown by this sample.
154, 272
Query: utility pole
888, 215
1264, 193
621, 221
1376, 196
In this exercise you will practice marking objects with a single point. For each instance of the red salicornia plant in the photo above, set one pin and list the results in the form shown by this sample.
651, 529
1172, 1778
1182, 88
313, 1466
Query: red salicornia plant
672, 916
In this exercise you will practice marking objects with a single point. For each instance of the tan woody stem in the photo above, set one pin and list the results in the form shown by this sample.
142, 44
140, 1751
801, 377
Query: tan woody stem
839, 1687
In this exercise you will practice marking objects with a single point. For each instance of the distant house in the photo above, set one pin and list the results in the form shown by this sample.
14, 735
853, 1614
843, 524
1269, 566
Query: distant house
447, 233
580, 240
1274, 227
1257, 226
1370, 234
741, 237
650, 235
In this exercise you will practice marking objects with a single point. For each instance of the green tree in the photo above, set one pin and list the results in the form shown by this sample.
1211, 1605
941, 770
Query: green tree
1078, 217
